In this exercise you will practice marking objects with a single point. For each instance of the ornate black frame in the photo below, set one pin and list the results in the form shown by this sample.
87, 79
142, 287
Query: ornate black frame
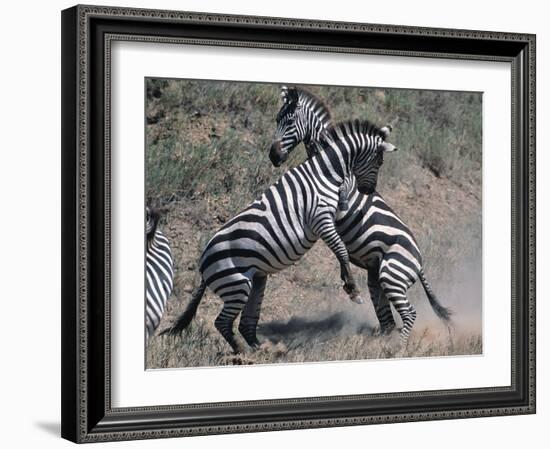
87, 33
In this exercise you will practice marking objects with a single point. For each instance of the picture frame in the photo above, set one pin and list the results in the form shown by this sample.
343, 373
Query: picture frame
87, 35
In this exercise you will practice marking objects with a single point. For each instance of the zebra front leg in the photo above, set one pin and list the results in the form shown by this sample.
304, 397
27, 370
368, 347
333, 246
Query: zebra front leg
343, 202
324, 227
251, 312
350, 287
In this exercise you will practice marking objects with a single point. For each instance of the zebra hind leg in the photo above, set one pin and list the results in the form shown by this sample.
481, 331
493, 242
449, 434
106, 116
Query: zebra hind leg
395, 284
380, 303
251, 312
385, 316
234, 301
397, 296
408, 316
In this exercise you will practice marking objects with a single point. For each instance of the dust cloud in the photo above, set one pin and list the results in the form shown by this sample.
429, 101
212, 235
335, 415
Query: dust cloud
461, 292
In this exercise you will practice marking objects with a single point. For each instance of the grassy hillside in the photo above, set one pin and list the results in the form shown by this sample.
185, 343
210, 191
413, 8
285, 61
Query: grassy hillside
207, 157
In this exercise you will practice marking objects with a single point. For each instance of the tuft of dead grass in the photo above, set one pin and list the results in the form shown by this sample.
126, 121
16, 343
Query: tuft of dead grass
200, 346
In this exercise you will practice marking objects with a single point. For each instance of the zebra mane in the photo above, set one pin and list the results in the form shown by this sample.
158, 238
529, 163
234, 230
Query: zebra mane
317, 101
352, 126
292, 95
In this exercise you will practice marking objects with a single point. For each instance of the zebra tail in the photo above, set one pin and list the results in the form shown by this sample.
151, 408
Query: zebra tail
442, 312
187, 316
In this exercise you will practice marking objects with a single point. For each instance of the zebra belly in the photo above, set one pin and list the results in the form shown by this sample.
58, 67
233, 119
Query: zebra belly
244, 256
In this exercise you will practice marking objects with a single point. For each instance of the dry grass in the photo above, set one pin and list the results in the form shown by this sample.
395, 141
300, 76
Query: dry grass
307, 339
199, 348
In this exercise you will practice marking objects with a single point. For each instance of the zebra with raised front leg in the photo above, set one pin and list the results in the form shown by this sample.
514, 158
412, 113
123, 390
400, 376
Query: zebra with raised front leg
159, 272
376, 238
275, 231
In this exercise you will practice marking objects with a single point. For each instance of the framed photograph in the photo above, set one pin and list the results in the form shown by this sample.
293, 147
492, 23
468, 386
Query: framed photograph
276, 224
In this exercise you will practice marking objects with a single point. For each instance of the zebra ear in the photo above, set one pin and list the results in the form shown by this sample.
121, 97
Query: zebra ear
386, 130
284, 94
289, 95
387, 147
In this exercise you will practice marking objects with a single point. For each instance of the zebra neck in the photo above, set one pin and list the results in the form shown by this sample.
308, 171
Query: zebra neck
334, 165
318, 128
312, 139
316, 117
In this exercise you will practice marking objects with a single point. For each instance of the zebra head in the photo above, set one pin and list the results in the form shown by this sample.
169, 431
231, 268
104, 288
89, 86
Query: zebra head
302, 117
370, 157
288, 133
360, 145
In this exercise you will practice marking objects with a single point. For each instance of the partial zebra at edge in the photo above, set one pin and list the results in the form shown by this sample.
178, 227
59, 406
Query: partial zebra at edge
159, 272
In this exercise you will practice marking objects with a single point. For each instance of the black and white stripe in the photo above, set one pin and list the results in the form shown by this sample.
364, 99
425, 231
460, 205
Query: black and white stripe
375, 237
159, 272
275, 231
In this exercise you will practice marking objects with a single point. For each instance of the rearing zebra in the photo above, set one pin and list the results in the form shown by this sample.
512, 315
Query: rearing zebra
275, 231
376, 238
159, 270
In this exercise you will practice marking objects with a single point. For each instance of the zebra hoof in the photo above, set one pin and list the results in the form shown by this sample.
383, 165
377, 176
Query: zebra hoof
357, 299
388, 330
236, 359
254, 346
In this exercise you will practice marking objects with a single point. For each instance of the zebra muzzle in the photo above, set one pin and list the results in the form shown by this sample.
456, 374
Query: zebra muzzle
276, 154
